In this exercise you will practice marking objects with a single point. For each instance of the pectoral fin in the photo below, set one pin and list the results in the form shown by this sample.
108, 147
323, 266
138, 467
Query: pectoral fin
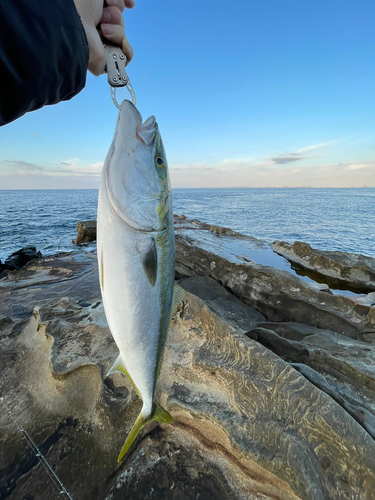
150, 263
159, 415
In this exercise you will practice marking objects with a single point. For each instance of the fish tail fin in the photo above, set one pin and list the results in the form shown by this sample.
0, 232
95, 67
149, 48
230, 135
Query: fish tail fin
159, 415
136, 429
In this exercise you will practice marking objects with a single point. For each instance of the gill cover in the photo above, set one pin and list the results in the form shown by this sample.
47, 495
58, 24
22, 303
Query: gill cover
135, 179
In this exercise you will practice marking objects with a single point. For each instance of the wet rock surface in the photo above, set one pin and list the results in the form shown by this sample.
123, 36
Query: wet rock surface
275, 293
86, 232
319, 269
263, 407
73, 275
19, 259
353, 271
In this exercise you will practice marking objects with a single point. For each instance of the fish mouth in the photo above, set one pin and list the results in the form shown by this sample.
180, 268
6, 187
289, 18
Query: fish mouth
147, 130
131, 119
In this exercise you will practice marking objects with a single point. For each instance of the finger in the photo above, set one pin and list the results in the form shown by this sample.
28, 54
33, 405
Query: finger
96, 51
112, 15
120, 4
127, 50
115, 34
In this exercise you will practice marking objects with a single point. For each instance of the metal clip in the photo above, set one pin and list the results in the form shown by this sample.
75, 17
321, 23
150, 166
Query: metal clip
115, 65
115, 69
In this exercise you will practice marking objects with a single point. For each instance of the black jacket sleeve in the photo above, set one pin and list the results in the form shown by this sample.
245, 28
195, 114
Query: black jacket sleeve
43, 55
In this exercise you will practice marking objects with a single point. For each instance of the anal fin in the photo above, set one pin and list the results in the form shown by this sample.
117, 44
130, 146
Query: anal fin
118, 366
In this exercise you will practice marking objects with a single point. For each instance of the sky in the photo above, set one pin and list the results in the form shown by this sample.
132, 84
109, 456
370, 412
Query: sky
246, 94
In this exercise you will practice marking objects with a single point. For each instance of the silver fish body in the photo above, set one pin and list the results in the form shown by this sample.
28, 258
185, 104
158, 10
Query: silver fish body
136, 254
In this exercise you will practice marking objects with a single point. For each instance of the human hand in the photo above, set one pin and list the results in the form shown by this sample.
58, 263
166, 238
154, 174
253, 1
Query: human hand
112, 28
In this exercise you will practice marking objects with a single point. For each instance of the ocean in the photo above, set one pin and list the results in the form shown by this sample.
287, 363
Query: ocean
327, 219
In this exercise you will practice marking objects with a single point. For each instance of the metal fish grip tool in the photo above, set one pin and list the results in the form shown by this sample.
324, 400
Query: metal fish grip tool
115, 69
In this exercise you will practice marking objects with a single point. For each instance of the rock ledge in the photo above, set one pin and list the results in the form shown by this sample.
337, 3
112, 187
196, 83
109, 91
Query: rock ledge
353, 271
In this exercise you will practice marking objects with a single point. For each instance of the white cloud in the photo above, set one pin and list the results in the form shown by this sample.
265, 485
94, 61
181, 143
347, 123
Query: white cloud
319, 145
358, 166
19, 164
64, 174
240, 164
279, 165
284, 169
267, 174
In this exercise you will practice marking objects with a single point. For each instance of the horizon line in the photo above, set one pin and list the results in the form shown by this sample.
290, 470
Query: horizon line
206, 187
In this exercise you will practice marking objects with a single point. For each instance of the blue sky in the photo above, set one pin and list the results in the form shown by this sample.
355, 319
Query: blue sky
246, 93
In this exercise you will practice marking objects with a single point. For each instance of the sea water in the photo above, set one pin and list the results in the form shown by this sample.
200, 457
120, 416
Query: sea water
327, 219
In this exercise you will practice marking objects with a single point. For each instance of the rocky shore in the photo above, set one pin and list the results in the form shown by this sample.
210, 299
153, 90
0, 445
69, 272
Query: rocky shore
269, 376
345, 270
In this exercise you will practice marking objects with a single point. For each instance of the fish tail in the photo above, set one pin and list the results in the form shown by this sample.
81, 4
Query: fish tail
159, 415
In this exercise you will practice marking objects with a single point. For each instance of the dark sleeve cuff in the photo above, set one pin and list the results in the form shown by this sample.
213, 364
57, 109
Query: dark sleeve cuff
43, 56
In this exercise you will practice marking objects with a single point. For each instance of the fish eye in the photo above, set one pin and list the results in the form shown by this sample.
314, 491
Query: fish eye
159, 161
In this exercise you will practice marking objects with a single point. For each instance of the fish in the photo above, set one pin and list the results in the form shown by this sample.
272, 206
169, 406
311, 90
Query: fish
136, 256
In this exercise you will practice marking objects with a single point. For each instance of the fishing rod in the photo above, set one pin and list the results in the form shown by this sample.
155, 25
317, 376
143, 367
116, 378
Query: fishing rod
55, 479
